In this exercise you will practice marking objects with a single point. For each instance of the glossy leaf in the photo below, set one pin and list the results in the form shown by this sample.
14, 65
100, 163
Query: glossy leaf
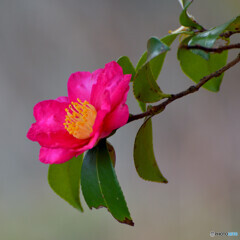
90, 180
186, 20
148, 69
64, 179
196, 67
157, 62
155, 47
208, 38
144, 158
127, 66
100, 186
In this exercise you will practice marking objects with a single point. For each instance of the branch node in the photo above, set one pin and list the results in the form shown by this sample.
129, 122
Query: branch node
192, 89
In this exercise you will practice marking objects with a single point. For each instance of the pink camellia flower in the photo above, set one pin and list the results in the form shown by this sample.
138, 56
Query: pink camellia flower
95, 106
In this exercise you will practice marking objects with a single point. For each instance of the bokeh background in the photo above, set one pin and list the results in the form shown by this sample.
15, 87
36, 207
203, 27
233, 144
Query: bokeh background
196, 139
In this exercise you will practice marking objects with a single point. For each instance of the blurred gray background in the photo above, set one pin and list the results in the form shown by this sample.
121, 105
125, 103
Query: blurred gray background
196, 138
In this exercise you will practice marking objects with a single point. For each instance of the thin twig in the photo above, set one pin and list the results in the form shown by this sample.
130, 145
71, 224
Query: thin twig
158, 108
228, 34
215, 50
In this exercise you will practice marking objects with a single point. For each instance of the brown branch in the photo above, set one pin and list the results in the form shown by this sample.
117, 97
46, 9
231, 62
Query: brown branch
215, 50
158, 108
228, 34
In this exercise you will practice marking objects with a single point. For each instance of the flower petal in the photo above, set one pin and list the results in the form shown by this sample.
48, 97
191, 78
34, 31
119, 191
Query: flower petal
55, 155
102, 111
92, 142
80, 85
112, 80
115, 119
119, 94
106, 89
49, 130
62, 99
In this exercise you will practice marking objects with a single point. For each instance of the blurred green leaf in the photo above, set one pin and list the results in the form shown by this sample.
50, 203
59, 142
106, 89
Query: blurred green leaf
127, 66
142, 105
64, 179
186, 20
100, 186
144, 158
195, 67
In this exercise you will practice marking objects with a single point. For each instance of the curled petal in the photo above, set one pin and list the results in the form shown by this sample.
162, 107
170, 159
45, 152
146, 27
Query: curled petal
55, 155
92, 142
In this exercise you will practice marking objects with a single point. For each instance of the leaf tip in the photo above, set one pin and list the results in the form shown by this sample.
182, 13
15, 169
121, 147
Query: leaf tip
165, 181
128, 222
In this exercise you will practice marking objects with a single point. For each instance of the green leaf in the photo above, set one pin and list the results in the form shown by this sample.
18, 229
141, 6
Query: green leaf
234, 26
144, 158
156, 53
100, 186
186, 20
64, 179
142, 60
195, 67
208, 38
143, 106
148, 68
127, 66
157, 62
112, 153
183, 3
90, 180
145, 87
155, 47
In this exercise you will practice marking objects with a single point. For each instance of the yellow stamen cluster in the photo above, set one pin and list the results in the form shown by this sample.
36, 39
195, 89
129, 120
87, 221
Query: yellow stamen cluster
80, 119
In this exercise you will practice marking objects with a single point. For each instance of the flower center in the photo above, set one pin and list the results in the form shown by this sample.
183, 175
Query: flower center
80, 119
